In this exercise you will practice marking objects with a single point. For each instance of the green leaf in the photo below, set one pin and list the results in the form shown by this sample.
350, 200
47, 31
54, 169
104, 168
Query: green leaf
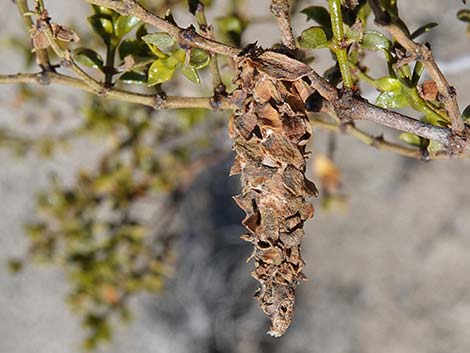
313, 38
199, 59
376, 41
435, 147
391, 100
354, 34
124, 24
129, 47
417, 72
466, 114
388, 84
179, 55
464, 15
141, 31
135, 48
364, 13
411, 139
101, 10
231, 27
88, 57
423, 29
161, 70
191, 74
230, 24
102, 26
133, 77
161, 40
332, 74
321, 16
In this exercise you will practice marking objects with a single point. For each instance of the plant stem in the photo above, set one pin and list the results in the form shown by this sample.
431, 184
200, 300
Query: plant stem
42, 57
424, 55
186, 37
170, 102
217, 84
380, 143
109, 65
340, 47
280, 10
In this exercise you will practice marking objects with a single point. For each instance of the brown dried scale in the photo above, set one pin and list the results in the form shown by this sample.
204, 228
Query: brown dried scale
270, 131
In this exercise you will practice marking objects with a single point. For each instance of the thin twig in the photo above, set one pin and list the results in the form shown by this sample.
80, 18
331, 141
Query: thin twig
347, 107
380, 143
170, 102
340, 43
186, 37
424, 54
208, 32
280, 10
42, 57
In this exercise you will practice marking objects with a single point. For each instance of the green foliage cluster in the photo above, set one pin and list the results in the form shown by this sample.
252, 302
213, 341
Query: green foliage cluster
93, 229
401, 87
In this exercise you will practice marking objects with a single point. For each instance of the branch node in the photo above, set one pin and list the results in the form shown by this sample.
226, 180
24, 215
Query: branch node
459, 142
159, 101
345, 125
104, 91
43, 78
66, 63
425, 155
216, 100
378, 140
187, 36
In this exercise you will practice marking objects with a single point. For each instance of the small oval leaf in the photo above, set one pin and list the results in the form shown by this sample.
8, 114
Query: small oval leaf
161, 40
466, 114
102, 26
313, 38
388, 84
199, 59
391, 100
464, 15
321, 16
411, 139
134, 77
88, 57
423, 29
231, 28
376, 41
191, 74
124, 24
160, 71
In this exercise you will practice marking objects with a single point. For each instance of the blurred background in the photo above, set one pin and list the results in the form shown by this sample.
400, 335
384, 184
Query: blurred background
387, 264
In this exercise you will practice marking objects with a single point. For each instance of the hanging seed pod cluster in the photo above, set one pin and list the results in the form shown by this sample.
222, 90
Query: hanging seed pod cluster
270, 131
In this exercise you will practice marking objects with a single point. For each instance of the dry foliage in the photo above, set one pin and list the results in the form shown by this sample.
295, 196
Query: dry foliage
270, 131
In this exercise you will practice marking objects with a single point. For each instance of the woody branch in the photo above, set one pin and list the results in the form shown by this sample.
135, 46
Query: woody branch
348, 108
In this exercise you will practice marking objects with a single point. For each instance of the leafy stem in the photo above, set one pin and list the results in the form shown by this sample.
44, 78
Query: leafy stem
340, 43
109, 65
42, 56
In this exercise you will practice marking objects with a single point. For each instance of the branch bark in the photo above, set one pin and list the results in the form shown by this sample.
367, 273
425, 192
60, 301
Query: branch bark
347, 106
186, 37
42, 57
154, 101
447, 92
280, 10
424, 54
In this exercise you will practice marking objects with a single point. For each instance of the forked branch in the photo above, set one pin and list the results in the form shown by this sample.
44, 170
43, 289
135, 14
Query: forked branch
423, 53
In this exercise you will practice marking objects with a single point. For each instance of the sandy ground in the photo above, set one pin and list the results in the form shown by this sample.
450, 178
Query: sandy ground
390, 275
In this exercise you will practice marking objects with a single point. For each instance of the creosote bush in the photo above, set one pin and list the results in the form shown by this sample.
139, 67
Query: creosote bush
276, 99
